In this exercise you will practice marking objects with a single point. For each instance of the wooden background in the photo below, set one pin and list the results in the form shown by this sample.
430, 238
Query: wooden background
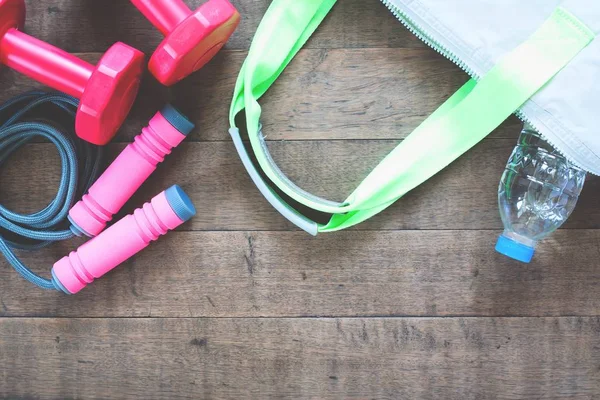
238, 304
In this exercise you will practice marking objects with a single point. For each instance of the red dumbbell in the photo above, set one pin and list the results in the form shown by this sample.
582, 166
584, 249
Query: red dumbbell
192, 38
106, 91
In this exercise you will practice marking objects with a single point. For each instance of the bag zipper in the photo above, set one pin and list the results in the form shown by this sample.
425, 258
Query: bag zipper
419, 32
424, 36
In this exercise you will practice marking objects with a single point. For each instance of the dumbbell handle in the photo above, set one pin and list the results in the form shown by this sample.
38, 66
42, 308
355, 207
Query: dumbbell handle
164, 15
163, 213
45, 63
166, 130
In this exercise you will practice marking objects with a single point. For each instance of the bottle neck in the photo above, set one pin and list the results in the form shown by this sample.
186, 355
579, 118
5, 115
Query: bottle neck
519, 238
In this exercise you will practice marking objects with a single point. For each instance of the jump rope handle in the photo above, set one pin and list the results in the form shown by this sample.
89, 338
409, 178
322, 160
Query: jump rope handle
166, 130
93, 259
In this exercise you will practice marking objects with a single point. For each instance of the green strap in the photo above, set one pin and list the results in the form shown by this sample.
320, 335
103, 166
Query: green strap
466, 118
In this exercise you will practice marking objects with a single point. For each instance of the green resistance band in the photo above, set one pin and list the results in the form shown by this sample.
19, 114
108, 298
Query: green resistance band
468, 116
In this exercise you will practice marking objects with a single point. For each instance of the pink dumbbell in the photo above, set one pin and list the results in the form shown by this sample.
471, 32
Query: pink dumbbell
93, 259
131, 168
192, 38
106, 91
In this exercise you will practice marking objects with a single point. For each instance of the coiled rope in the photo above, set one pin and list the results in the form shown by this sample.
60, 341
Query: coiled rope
22, 119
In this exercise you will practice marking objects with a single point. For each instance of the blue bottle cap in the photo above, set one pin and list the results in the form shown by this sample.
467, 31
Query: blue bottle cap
177, 119
513, 249
180, 202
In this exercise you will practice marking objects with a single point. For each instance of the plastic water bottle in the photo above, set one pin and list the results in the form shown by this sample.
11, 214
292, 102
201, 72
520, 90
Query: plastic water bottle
537, 193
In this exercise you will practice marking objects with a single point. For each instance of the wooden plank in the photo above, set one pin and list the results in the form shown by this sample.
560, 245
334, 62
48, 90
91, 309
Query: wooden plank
324, 94
461, 197
91, 25
245, 303
400, 358
273, 274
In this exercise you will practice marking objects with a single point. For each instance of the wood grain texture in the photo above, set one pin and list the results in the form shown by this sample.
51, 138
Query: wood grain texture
452, 358
463, 196
92, 25
324, 94
271, 274
237, 304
